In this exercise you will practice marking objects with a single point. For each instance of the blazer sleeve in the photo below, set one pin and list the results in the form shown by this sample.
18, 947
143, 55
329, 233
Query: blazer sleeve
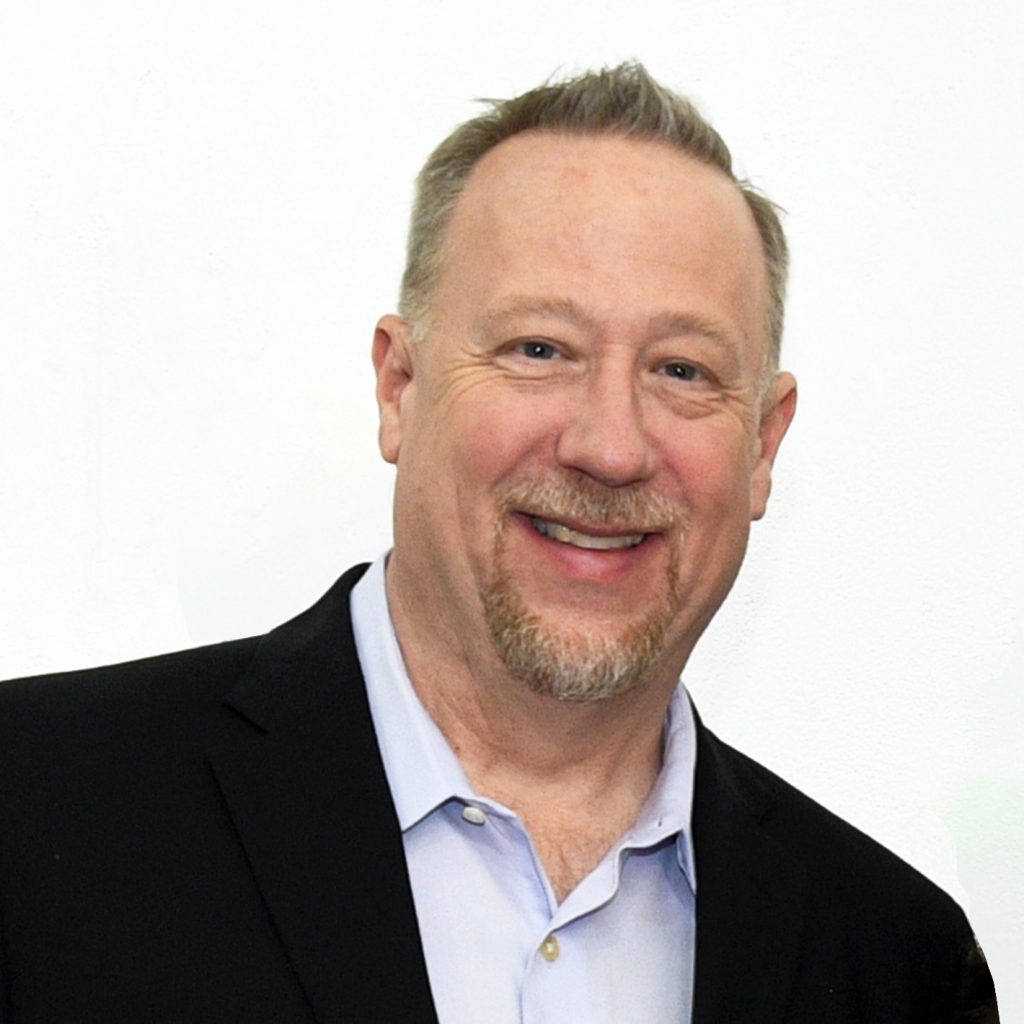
977, 995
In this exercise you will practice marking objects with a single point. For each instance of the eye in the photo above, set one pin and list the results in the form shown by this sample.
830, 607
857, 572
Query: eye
682, 371
534, 349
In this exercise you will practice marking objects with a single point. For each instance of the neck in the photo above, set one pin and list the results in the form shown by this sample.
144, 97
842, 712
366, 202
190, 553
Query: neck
549, 760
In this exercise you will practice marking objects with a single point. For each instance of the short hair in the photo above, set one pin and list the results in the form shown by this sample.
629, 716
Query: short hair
624, 101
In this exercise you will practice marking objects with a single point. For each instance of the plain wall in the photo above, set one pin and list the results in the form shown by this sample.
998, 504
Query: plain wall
203, 214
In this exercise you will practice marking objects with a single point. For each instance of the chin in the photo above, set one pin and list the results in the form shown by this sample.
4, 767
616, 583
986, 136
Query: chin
566, 664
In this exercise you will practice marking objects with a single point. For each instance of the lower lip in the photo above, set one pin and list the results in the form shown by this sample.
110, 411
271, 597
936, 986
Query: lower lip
586, 563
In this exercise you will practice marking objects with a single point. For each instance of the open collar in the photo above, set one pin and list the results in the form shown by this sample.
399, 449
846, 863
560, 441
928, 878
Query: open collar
422, 770
310, 801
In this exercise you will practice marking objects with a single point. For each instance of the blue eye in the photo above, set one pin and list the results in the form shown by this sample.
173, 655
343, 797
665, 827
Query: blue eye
681, 371
538, 349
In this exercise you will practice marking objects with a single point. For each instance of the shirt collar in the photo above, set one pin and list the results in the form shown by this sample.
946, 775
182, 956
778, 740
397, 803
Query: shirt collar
421, 768
423, 771
669, 807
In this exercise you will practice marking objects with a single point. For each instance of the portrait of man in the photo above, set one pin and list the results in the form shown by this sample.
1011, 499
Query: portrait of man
468, 783
657, 494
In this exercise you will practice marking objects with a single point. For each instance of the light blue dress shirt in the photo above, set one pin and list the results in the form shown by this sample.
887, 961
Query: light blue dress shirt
499, 948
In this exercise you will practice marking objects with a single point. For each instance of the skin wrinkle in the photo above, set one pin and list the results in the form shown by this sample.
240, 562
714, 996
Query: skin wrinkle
724, 385
665, 324
513, 322
499, 324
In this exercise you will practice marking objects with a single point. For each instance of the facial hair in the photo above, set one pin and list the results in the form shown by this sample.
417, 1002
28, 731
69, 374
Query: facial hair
566, 664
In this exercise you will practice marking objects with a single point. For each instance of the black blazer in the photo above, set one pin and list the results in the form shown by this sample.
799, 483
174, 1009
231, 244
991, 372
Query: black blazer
209, 837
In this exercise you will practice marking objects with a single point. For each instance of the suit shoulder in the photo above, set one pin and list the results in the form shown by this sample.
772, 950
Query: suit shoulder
193, 665
855, 870
869, 913
105, 699
199, 668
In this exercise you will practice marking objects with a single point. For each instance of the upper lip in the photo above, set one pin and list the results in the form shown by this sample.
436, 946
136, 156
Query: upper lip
591, 529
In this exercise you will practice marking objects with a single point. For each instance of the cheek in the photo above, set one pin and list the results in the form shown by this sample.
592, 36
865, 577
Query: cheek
715, 482
712, 470
494, 439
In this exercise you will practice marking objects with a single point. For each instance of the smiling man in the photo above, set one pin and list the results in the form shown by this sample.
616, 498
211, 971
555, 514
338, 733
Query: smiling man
468, 785
583, 431
595, 407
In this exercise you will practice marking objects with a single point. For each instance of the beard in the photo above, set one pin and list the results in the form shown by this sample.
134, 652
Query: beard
567, 664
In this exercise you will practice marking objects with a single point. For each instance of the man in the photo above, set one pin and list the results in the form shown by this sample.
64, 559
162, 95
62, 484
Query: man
467, 785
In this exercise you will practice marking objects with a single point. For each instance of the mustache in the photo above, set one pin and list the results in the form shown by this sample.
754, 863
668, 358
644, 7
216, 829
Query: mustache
628, 508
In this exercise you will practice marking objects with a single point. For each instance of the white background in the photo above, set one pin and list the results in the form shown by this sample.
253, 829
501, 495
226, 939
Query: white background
203, 214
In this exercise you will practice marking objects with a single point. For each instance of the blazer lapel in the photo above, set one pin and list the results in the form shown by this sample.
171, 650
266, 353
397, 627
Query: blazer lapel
750, 896
307, 793
311, 804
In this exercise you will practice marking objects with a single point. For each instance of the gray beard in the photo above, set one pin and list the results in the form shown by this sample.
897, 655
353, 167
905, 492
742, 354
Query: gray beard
566, 664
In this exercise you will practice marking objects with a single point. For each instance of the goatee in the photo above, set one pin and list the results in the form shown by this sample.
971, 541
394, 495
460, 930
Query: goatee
567, 664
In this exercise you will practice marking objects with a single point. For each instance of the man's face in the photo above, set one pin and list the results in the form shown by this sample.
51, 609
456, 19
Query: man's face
581, 439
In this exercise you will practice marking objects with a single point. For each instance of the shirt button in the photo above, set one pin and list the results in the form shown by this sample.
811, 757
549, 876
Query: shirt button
474, 815
549, 949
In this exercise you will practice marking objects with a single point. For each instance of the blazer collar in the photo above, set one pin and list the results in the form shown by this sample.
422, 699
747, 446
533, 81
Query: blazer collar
309, 799
751, 893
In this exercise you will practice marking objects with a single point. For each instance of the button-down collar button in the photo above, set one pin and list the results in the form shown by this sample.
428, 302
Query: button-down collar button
474, 815
549, 949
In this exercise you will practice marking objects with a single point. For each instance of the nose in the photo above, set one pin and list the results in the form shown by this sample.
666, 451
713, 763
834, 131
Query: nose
604, 436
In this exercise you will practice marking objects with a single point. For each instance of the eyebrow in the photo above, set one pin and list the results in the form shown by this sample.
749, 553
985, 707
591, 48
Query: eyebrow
666, 325
662, 325
526, 305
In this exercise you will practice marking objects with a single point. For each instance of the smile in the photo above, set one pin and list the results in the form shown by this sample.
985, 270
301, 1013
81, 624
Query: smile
584, 540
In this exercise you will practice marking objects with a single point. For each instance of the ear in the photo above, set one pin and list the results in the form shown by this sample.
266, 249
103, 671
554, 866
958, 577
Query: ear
392, 361
777, 410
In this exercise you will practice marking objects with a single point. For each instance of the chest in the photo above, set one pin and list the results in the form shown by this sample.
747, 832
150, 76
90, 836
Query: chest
618, 947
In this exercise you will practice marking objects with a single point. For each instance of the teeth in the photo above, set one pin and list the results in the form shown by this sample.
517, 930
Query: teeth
584, 540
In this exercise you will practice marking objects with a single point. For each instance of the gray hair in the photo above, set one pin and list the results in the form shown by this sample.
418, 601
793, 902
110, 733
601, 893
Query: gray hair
624, 100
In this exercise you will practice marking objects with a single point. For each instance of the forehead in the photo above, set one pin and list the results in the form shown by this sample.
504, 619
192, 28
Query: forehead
616, 225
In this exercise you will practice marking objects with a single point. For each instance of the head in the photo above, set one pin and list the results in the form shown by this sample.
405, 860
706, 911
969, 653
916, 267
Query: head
624, 100
576, 395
